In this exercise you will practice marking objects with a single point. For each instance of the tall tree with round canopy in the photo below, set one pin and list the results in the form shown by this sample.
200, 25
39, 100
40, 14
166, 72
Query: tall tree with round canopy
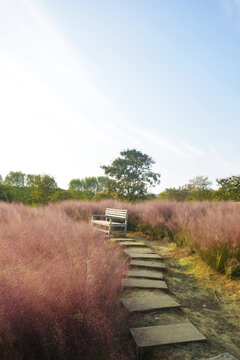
132, 173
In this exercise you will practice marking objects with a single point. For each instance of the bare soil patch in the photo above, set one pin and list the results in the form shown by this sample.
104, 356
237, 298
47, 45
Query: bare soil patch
209, 300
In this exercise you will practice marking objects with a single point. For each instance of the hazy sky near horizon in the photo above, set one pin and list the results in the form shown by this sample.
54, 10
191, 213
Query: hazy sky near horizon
82, 80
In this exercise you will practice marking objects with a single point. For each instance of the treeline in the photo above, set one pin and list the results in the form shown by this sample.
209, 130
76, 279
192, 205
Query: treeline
126, 178
200, 188
41, 189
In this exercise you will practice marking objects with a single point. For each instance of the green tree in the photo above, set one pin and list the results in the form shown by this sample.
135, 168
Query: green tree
229, 188
179, 194
15, 183
60, 195
198, 188
43, 188
200, 183
75, 185
15, 178
5, 194
109, 190
132, 174
102, 183
92, 184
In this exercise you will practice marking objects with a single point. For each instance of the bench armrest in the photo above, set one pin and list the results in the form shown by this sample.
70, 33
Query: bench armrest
99, 215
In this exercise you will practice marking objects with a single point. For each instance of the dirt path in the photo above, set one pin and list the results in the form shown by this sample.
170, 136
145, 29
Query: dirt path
209, 301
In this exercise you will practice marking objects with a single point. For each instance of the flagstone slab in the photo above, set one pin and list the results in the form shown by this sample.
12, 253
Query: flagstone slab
152, 336
123, 239
148, 264
131, 243
138, 251
151, 274
144, 283
137, 255
224, 356
150, 302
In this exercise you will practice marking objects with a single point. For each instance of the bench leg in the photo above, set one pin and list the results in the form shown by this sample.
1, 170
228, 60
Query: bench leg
139, 354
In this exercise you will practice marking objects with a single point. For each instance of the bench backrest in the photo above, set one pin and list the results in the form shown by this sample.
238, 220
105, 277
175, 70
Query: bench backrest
116, 213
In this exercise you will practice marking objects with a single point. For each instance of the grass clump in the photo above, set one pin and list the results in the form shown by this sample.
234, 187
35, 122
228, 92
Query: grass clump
60, 286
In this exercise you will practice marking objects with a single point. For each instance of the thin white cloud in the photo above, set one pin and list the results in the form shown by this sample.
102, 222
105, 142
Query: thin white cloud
44, 60
227, 5
177, 146
159, 141
69, 62
232, 10
226, 166
191, 149
33, 40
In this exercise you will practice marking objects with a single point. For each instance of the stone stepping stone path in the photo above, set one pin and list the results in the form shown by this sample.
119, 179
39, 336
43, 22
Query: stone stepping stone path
131, 243
144, 283
224, 356
138, 255
145, 274
151, 336
139, 251
122, 239
151, 302
148, 264
151, 274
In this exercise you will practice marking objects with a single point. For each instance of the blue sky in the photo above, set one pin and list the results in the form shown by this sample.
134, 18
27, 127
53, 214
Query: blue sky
82, 80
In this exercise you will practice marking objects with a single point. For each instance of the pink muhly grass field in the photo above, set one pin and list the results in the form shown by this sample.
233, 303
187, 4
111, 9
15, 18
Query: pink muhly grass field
210, 228
60, 284
82, 210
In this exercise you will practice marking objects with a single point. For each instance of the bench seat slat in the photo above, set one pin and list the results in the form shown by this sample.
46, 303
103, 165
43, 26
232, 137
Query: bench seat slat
107, 223
116, 215
110, 209
116, 211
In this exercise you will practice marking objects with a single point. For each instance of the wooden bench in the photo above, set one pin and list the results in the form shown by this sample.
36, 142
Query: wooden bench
113, 219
